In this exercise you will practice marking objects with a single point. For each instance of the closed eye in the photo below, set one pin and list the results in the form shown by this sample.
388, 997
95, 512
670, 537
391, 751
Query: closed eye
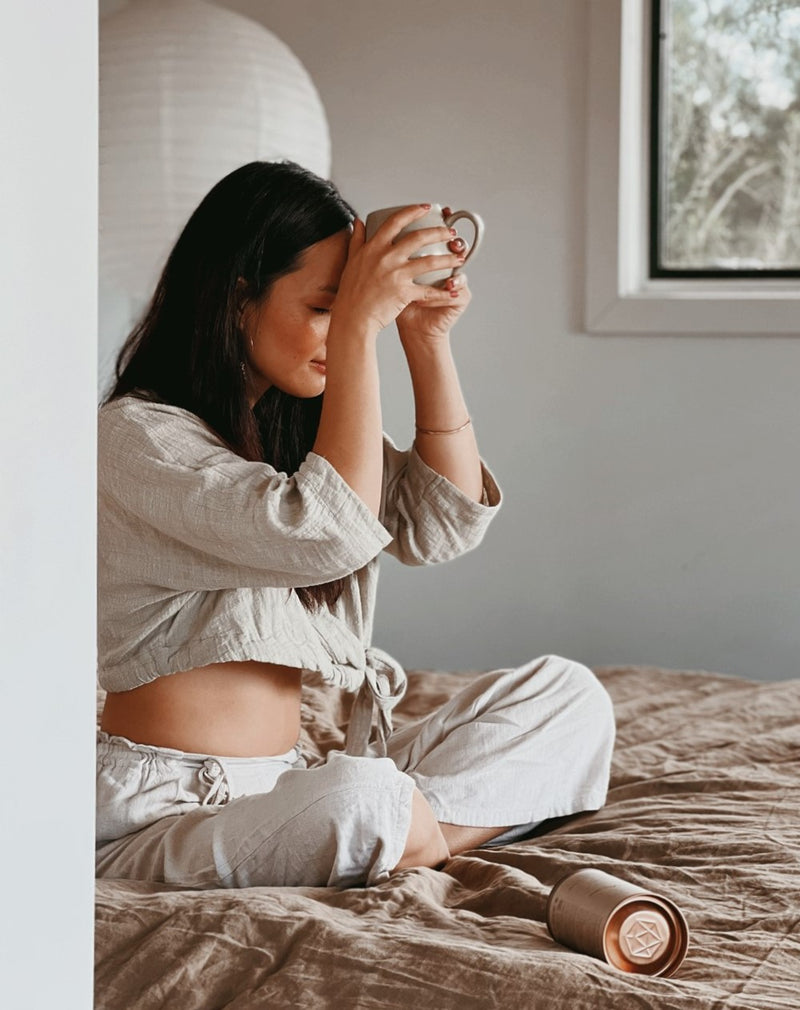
319, 309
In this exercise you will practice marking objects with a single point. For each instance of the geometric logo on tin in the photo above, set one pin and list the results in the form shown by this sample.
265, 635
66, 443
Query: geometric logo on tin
644, 936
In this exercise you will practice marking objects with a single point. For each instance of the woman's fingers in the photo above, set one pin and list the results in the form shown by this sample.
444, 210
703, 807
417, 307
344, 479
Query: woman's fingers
454, 284
457, 244
425, 264
444, 297
390, 228
432, 296
357, 238
413, 241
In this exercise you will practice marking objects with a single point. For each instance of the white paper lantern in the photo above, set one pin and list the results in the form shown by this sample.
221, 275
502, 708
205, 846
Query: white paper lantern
188, 92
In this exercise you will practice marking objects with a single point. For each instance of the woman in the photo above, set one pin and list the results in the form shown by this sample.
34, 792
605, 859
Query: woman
241, 513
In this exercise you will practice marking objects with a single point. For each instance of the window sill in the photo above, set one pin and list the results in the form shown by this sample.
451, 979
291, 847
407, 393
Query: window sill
700, 307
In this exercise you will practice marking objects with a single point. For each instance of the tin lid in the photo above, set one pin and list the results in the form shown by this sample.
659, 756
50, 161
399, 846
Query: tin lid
647, 935
644, 936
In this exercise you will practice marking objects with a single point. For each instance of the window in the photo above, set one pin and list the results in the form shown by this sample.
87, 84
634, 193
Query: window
725, 138
631, 285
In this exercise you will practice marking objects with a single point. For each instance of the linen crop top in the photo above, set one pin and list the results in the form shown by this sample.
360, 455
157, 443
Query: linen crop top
199, 549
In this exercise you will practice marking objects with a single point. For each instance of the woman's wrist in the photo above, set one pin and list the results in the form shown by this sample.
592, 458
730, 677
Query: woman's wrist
425, 347
438, 402
352, 328
443, 431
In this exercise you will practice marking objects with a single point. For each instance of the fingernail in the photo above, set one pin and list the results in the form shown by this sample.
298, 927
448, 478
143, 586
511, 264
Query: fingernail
453, 231
427, 206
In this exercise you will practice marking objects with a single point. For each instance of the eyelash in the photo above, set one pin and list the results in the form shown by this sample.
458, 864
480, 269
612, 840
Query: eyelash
319, 310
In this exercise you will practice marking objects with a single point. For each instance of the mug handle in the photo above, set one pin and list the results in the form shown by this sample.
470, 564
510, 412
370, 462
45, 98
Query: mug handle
477, 223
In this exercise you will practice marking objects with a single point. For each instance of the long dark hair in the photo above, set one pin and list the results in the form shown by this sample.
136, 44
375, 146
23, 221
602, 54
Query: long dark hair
188, 348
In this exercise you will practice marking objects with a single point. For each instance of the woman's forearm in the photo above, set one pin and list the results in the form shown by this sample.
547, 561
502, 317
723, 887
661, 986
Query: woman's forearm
439, 406
376, 286
350, 433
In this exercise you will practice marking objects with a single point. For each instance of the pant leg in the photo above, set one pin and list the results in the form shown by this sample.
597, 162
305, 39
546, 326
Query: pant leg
514, 747
341, 823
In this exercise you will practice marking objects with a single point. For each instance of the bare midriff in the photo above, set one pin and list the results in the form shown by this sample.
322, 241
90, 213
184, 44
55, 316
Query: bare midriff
236, 709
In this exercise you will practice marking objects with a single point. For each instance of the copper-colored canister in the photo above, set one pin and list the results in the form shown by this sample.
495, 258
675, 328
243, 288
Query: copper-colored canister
633, 930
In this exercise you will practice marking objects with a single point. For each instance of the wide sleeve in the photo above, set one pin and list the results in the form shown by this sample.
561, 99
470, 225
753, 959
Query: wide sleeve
223, 521
429, 518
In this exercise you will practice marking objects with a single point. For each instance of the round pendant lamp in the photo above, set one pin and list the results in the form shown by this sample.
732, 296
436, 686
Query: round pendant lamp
188, 92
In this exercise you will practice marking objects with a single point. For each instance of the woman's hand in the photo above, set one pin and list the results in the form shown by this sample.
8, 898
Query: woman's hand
377, 283
434, 318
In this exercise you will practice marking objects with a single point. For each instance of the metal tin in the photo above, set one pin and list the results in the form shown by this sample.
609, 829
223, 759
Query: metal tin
631, 929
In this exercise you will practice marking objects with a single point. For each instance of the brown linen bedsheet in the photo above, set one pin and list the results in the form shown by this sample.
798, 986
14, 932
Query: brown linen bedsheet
704, 808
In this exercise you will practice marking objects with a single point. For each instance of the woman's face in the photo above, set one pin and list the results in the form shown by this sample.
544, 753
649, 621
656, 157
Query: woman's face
285, 333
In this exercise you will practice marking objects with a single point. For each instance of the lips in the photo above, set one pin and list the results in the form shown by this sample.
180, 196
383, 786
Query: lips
319, 365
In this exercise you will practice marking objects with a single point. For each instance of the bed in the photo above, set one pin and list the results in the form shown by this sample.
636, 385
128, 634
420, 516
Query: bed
704, 808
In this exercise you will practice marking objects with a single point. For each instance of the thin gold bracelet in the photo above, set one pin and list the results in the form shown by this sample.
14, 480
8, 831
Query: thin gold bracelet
444, 431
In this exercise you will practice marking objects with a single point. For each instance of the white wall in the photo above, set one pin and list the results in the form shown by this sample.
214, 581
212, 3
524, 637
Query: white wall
651, 498
48, 280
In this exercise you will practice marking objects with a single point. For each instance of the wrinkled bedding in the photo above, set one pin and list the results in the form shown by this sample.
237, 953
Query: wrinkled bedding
704, 807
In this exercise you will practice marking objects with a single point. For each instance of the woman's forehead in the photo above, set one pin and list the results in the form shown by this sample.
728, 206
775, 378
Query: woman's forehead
322, 264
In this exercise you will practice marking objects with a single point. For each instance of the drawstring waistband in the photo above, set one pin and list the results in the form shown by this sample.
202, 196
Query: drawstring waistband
213, 774
384, 685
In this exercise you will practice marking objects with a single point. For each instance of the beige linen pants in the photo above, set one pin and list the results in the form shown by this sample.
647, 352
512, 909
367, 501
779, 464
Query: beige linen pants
513, 747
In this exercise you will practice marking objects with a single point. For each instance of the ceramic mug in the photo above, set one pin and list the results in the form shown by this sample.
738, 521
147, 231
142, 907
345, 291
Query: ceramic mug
434, 218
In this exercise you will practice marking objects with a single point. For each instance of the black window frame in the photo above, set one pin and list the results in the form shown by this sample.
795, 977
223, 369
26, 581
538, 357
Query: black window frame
658, 11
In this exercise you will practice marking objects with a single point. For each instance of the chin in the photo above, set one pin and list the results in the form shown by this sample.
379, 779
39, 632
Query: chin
306, 390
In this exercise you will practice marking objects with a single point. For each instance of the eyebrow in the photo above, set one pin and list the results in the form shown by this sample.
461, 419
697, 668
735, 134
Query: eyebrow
332, 289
